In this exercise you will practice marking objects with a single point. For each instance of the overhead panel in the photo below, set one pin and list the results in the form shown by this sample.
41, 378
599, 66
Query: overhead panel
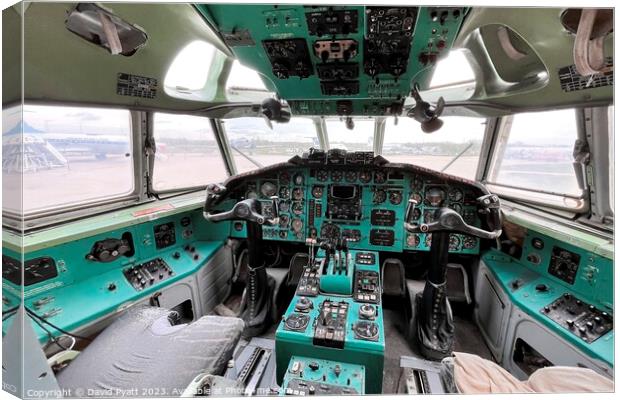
339, 60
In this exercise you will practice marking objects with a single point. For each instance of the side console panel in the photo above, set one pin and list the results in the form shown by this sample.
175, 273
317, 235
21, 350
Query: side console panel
76, 283
554, 306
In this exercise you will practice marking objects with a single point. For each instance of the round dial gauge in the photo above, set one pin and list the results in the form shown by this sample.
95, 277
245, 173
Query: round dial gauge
469, 242
298, 208
298, 179
365, 176
297, 225
330, 231
317, 191
456, 207
455, 242
415, 215
455, 194
267, 210
469, 216
428, 240
429, 216
435, 196
396, 197
298, 194
268, 189
366, 330
285, 178
380, 177
413, 240
251, 194
285, 192
379, 196
417, 183
284, 220
322, 175
350, 176
284, 206
337, 175
417, 197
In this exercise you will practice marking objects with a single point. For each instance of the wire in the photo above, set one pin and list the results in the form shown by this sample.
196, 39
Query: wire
51, 337
33, 314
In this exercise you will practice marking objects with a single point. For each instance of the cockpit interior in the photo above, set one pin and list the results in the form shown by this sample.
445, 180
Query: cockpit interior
218, 199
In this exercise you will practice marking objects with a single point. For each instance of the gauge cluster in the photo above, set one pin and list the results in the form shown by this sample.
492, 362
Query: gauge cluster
365, 204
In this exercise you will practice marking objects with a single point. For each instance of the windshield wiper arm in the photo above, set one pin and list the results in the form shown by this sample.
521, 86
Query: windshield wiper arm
456, 157
250, 159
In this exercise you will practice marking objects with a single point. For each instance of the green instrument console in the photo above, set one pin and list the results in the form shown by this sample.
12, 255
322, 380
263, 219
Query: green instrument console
347, 328
564, 287
309, 376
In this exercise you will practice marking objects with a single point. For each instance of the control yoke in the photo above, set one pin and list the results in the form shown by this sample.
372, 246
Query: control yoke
448, 220
248, 209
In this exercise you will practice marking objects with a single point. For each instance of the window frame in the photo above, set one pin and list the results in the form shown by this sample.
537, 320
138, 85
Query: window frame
62, 213
150, 150
497, 144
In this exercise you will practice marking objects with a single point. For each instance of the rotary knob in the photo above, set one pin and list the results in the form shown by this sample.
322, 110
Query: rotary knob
367, 311
303, 305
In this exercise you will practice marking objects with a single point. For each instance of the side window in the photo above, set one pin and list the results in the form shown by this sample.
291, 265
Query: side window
187, 154
535, 152
67, 155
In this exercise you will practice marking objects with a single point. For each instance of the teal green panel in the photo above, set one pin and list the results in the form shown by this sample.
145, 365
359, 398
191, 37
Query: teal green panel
376, 94
370, 354
409, 186
594, 280
350, 375
85, 291
507, 270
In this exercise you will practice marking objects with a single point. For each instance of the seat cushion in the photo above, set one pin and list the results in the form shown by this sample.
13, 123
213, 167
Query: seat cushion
143, 354
569, 380
475, 375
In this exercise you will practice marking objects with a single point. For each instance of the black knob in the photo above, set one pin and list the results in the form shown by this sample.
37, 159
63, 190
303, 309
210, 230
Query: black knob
566, 295
541, 287
196, 257
176, 255
546, 309
192, 249
314, 365
590, 325
598, 320
582, 330
142, 282
570, 323
161, 275
112, 287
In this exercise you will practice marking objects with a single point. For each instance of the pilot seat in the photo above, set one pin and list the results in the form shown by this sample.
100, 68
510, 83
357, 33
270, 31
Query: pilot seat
146, 353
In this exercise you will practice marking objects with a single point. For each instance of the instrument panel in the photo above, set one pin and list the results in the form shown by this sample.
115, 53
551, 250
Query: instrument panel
365, 204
